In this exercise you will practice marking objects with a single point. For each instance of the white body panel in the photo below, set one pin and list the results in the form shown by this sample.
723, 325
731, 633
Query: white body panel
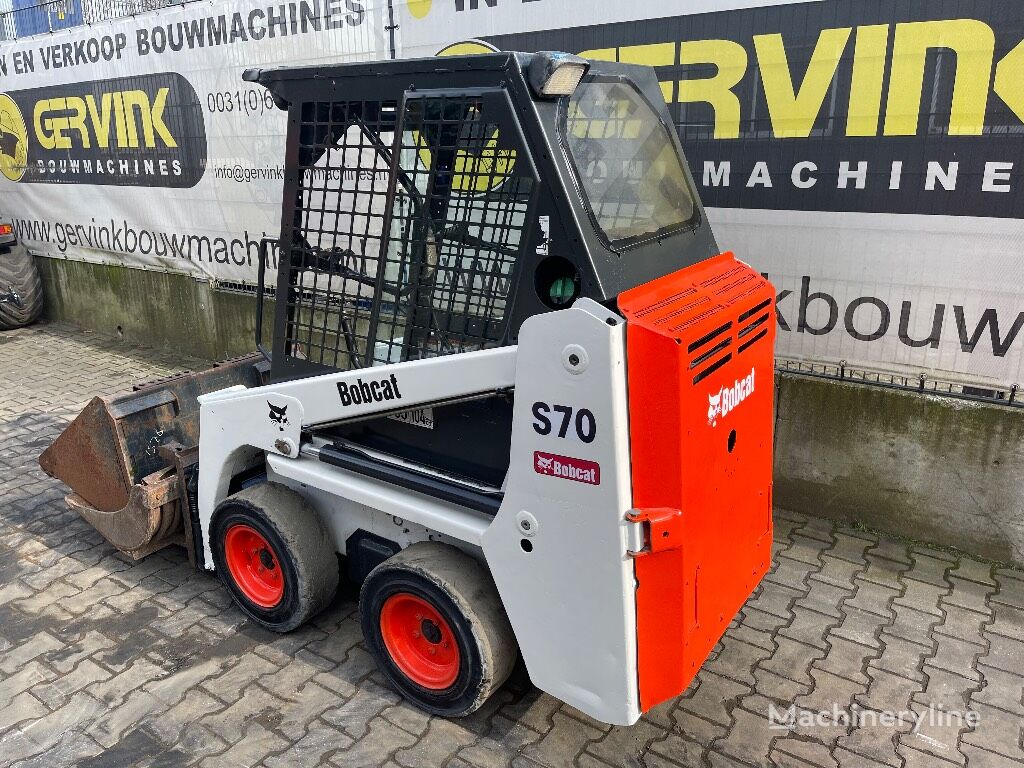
571, 600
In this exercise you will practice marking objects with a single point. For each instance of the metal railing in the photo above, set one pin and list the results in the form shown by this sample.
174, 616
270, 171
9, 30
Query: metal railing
40, 18
1007, 395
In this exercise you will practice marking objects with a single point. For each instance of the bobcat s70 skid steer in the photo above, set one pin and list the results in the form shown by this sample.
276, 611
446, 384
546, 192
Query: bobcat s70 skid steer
512, 383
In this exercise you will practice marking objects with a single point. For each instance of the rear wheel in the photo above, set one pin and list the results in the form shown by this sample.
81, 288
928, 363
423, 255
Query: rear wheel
433, 620
275, 556
21, 290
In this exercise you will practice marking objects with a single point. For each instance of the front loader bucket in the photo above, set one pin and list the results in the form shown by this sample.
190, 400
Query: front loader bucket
149, 521
114, 455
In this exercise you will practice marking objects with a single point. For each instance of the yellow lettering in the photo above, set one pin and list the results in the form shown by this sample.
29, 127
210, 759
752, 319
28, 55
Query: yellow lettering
652, 55
731, 60
866, 83
793, 113
138, 102
100, 118
50, 130
57, 121
620, 126
120, 120
159, 103
1009, 81
43, 134
974, 44
76, 119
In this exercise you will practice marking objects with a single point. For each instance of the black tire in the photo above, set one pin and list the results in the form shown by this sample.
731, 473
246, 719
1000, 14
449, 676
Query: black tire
22, 288
300, 546
462, 592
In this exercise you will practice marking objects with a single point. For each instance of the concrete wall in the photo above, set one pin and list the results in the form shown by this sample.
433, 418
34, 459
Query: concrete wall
154, 308
936, 469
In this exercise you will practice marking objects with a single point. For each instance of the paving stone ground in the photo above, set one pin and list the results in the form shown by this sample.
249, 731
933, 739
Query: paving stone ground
108, 663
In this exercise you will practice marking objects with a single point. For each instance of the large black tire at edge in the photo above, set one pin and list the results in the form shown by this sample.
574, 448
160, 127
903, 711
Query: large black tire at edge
464, 594
300, 542
18, 275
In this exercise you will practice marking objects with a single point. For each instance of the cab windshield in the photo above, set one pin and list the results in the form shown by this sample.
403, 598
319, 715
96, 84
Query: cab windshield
626, 162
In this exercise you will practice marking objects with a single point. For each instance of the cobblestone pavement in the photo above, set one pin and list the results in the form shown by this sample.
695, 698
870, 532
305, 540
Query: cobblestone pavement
108, 663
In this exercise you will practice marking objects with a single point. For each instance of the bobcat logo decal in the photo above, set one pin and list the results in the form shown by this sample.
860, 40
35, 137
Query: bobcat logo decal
714, 408
278, 415
567, 468
729, 397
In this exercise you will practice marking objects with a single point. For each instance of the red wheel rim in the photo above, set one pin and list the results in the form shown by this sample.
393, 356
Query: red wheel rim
253, 565
420, 641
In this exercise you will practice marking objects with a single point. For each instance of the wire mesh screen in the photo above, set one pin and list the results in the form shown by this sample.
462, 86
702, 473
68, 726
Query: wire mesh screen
344, 150
405, 245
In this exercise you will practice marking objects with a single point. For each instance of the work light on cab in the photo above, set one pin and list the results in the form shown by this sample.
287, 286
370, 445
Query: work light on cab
554, 74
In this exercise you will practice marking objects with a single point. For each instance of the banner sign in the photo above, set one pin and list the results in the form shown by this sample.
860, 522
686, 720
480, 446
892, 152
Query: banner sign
894, 108
867, 157
148, 132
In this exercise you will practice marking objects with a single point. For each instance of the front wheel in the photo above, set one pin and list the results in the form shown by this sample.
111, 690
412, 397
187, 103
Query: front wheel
433, 620
274, 555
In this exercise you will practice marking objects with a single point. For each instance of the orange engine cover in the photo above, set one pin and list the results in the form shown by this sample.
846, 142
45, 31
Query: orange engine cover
700, 355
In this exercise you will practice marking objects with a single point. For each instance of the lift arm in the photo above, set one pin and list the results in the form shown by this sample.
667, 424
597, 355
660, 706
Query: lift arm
238, 423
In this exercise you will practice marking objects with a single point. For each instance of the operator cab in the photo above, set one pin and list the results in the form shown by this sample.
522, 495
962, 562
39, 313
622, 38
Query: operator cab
433, 205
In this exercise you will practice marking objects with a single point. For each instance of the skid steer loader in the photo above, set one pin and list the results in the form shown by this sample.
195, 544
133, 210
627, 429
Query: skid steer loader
512, 383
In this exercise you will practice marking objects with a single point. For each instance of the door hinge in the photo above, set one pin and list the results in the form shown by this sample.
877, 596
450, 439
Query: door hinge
661, 529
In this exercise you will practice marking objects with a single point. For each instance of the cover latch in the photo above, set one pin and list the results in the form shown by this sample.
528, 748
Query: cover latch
662, 529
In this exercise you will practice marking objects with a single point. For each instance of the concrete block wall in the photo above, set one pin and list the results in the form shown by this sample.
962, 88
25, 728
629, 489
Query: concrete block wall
932, 468
155, 308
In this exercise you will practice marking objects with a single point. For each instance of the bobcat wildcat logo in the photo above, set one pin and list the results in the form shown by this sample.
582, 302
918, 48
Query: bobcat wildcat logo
714, 407
567, 468
278, 414
726, 399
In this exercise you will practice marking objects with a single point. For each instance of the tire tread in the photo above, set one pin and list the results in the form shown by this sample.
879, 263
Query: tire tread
18, 271
470, 586
305, 534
